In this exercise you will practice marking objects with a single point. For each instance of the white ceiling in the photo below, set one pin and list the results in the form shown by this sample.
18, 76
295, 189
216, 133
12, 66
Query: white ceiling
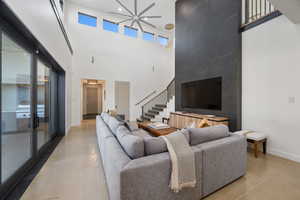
164, 8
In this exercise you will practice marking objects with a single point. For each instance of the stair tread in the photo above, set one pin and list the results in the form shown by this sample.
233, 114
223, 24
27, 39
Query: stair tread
161, 105
158, 108
145, 118
149, 114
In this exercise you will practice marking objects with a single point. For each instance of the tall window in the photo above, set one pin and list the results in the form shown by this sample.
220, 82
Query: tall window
148, 36
131, 32
87, 20
110, 26
163, 40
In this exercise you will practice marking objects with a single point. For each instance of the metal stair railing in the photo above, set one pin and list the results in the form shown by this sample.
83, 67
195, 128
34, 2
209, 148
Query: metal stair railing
160, 99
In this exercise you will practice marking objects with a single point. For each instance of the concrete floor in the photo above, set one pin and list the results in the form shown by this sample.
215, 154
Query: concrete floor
74, 171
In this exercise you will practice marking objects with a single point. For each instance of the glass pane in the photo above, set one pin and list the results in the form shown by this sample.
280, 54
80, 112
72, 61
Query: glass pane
131, 32
87, 20
110, 26
43, 97
163, 40
148, 36
16, 131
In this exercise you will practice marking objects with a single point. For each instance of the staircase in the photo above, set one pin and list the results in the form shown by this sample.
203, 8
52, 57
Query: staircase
159, 106
165, 112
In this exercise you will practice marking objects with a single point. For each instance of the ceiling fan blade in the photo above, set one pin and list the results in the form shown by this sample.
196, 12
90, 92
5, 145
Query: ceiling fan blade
119, 2
151, 17
146, 9
125, 20
135, 7
120, 14
140, 26
153, 26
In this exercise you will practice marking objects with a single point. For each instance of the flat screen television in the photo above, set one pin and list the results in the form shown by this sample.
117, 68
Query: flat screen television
202, 94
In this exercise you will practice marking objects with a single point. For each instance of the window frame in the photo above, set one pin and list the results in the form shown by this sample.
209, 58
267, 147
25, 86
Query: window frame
153, 34
109, 21
15, 30
160, 36
129, 27
87, 15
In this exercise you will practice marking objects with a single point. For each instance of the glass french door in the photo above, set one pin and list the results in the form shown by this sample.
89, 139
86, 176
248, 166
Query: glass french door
16, 107
29, 107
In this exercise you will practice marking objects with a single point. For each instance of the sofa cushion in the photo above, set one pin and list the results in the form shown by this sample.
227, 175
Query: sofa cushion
105, 116
132, 126
113, 124
141, 133
201, 135
155, 145
132, 145
102, 129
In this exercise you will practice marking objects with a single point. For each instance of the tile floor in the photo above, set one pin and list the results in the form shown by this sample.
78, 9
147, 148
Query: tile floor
74, 172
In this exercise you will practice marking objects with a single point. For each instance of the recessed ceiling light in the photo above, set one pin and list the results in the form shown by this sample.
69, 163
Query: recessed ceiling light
145, 18
120, 9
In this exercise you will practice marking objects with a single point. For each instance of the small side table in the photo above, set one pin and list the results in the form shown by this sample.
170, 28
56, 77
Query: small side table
257, 139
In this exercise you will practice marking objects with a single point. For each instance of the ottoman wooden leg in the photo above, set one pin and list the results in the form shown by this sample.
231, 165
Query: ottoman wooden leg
255, 149
265, 146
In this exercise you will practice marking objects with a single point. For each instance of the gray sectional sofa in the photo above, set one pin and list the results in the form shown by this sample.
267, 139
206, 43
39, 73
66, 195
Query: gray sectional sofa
138, 167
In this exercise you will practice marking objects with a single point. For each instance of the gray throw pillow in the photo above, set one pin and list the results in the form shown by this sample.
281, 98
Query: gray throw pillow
114, 124
105, 116
132, 145
131, 126
155, 145
201, 135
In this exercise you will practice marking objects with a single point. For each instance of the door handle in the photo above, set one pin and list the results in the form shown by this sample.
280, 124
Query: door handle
36, 121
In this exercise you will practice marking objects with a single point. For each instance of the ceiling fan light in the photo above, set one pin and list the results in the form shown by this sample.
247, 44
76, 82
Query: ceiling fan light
169, 26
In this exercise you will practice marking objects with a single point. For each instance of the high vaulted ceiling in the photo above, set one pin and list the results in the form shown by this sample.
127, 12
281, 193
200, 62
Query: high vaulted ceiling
164, 8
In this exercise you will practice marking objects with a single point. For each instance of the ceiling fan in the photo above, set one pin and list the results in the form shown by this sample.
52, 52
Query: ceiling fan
135, 16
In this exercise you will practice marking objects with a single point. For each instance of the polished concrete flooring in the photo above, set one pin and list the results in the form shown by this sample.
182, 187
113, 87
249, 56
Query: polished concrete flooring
74, 172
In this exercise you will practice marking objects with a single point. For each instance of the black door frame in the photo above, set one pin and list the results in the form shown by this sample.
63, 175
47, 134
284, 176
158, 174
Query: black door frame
5, 29
17, 31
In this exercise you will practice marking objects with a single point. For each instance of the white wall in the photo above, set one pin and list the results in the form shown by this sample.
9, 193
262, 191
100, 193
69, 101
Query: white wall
271, 84
39, 18
117, 57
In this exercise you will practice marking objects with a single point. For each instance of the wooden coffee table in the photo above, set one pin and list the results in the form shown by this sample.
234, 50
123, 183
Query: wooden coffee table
156, 132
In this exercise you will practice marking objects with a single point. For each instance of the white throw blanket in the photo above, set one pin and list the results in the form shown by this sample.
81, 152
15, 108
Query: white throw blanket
183, 161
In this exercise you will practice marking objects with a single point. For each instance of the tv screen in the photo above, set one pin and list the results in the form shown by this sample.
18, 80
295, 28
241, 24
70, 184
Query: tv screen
204, 94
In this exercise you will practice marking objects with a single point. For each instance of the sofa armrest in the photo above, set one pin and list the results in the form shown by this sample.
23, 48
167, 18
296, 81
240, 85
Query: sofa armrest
148, 178
224, 161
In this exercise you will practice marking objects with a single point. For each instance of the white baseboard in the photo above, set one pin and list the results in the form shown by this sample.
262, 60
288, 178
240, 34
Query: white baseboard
286, 155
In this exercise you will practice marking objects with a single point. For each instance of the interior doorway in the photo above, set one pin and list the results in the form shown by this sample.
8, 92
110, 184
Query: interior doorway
92, 98
122, 98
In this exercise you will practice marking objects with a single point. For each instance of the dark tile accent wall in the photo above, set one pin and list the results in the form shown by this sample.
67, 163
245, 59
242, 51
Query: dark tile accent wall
208, 45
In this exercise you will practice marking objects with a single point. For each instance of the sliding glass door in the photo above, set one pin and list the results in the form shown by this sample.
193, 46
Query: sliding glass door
29, 107
16, 107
